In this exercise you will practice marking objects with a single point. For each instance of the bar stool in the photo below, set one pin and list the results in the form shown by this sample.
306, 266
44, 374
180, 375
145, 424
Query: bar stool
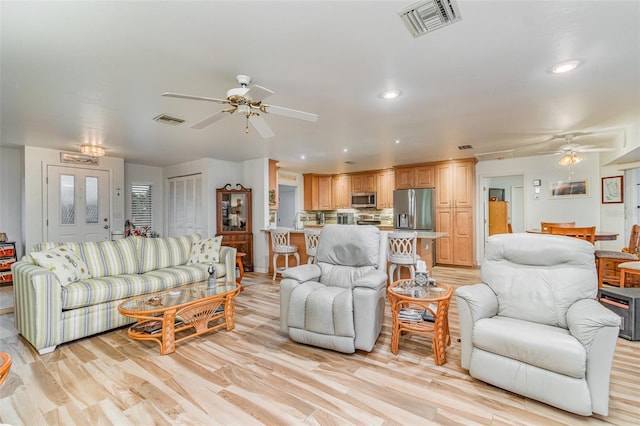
402, 252
311, 237
281, 245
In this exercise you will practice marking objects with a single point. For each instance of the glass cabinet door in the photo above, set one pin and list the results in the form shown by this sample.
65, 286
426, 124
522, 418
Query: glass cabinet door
234, 212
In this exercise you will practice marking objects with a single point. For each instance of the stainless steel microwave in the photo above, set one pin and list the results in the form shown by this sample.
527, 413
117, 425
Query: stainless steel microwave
363, 199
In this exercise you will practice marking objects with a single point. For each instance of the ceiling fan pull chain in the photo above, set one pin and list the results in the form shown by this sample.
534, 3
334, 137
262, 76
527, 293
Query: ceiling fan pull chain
246, 129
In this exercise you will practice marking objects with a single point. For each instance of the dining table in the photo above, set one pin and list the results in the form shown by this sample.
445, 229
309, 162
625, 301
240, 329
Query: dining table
600, 235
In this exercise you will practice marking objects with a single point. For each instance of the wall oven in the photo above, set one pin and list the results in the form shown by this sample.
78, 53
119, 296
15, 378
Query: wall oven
361, 200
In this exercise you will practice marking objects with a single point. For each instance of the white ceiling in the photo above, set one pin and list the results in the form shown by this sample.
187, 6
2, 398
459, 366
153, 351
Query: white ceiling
78, 72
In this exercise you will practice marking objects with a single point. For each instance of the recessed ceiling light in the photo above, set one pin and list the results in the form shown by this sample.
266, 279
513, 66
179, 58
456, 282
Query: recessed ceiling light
397, 140
390, 94
565, 67
302, 157
346, 149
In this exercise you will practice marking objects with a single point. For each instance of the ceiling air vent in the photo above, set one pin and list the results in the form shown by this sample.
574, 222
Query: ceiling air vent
463, 147
167, 119
427, 16
495, 155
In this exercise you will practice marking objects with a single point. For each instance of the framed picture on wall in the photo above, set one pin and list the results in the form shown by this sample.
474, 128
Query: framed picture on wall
612, 190
496, 194
569, 189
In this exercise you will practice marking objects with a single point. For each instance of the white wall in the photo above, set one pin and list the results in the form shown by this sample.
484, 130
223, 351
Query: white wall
256, 176
148, 175
11, 181
585, 211
612, 216
36, 161
215, 174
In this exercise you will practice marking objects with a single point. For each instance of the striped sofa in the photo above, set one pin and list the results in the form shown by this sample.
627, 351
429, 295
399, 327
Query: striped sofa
48, 313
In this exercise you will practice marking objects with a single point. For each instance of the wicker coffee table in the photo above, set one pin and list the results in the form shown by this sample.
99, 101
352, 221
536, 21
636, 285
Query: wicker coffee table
422, 310
188, 311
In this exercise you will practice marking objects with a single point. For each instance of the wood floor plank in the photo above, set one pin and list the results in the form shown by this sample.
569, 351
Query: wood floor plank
256, 375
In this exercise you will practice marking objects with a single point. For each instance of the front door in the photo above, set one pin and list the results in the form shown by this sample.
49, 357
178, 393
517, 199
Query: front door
78, 204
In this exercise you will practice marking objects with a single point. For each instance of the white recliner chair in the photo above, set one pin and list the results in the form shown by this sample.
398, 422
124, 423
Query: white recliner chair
533, 325
338, 302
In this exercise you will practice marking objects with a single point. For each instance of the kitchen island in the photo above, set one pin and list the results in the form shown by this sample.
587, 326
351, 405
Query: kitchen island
426, 241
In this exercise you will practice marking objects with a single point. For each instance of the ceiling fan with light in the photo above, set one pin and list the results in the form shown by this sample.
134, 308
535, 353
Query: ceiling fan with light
246, 101
570, 151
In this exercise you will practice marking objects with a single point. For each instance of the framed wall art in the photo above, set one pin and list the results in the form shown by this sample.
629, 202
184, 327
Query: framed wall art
612, 190
70, 157
569, 189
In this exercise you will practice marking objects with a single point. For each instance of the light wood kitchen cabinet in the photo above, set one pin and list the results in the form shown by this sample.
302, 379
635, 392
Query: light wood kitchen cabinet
317, 192
341, 192
457, 247
363, 182
386, 185
424, 177
421, 176
273, 185
454, 182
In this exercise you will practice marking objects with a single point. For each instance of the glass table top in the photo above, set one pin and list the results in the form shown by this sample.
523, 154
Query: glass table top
176, 296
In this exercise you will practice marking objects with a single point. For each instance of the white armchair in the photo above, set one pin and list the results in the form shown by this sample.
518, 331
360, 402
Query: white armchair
338, 302
533, 325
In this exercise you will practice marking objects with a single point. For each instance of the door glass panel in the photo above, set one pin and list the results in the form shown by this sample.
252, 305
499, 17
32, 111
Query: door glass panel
67, 200
91, 197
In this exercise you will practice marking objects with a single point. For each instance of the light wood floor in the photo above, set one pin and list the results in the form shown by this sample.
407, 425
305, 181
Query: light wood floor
255, 375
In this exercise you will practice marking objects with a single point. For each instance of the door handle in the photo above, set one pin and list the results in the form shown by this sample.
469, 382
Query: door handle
106, 227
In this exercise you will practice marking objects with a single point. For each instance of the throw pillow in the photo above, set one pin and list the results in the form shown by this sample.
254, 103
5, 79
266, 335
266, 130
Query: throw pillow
206, 251
64, 263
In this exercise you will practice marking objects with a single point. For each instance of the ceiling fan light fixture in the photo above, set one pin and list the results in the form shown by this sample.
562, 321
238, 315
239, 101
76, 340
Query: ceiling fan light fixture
93, 150
244, 109
570, 159
565, 67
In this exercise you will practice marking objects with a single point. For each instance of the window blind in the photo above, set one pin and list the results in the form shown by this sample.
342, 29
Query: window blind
141, 198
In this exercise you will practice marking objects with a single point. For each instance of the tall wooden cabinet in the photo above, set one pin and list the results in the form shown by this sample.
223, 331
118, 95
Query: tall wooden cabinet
454, 182
233, 219
498, 217
317, 192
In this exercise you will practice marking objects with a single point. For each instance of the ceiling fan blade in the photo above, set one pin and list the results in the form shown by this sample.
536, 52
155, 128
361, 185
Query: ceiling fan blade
595, 149
257, 93
287, 112
210, 120
261, 126
195, 98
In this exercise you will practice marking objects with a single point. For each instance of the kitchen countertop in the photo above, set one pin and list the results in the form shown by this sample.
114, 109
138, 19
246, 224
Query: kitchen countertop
421, 234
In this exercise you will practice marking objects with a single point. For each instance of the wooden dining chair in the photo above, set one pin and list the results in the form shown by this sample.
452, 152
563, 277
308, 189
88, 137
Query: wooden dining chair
544, 226
608, 261
587, 233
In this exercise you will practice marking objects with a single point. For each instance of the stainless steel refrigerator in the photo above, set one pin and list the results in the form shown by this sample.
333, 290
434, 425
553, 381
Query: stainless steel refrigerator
414, 209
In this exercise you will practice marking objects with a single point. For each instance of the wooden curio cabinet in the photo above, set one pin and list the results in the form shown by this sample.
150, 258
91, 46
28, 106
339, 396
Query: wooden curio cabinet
233, 216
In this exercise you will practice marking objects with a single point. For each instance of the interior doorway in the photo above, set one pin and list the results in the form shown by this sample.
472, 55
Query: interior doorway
286, 205
509, 190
